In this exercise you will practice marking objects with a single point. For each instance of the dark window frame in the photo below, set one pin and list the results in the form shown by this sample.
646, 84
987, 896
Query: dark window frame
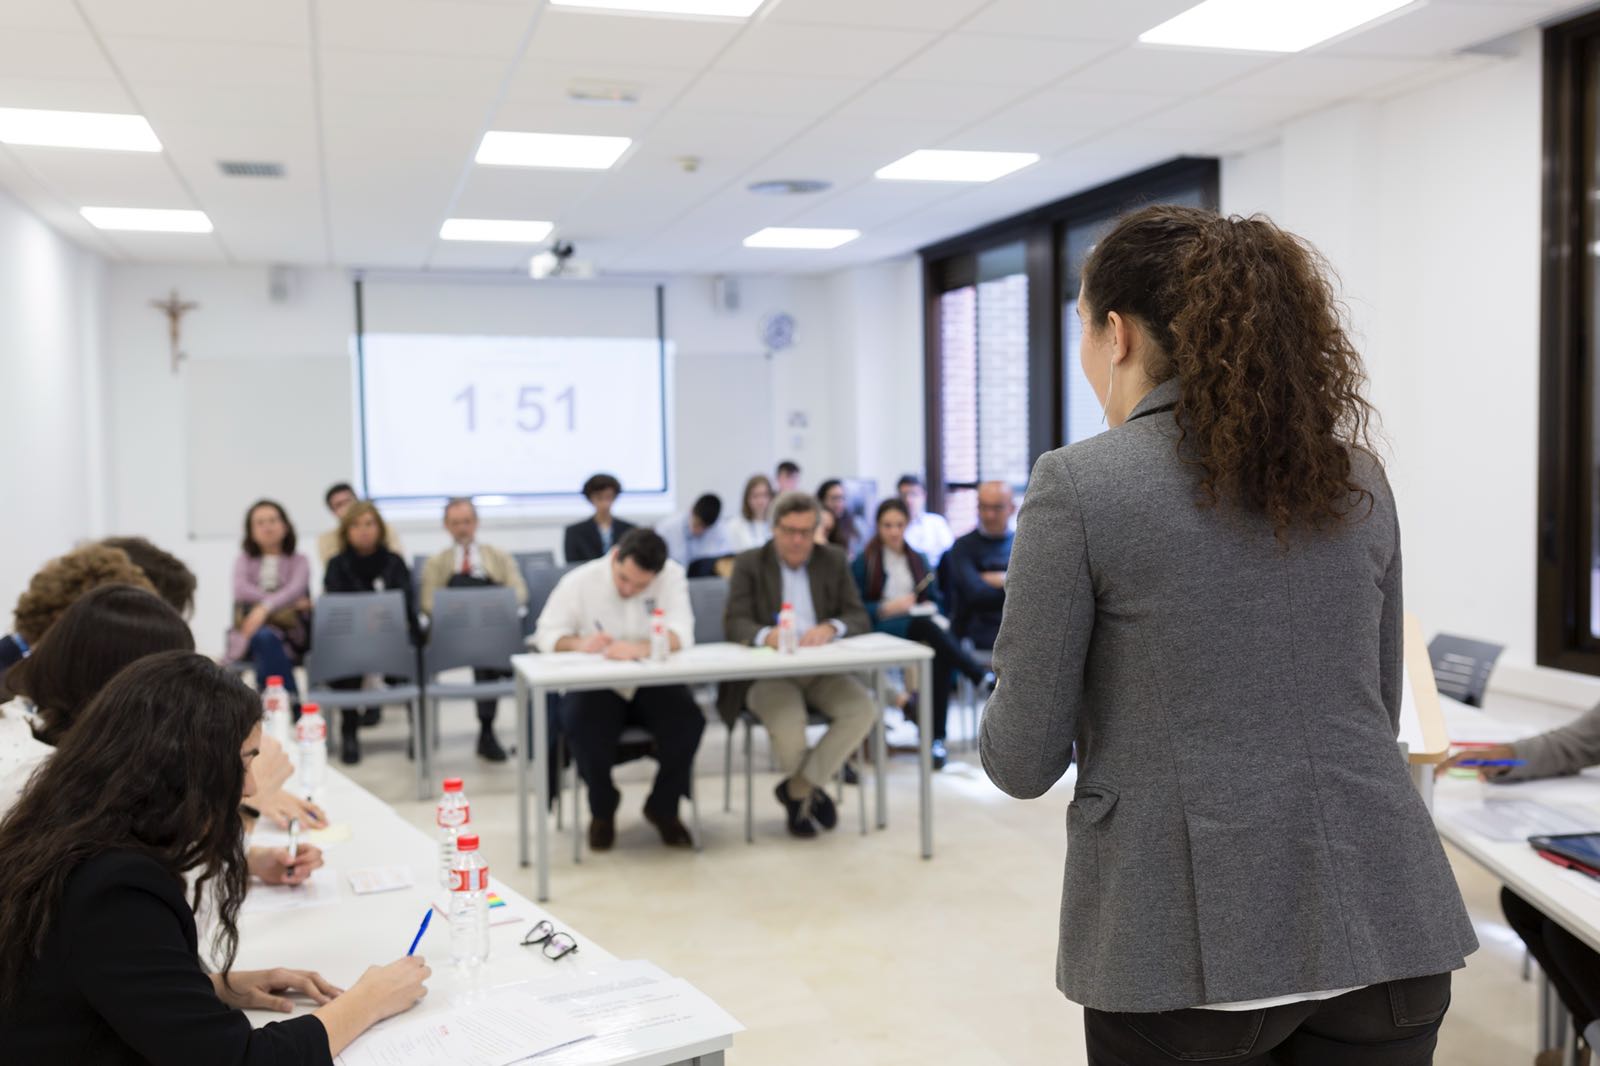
1041, 230
1567, 475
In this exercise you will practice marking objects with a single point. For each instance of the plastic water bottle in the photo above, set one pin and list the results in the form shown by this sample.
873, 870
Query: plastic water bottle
788, 639
660, 646
469, 904
276, 721
452, 817
311, 734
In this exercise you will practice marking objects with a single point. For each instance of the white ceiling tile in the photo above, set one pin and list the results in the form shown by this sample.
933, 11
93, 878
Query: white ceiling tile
515, 192
429, 118
582, 36
50, 206
565, 117
907, 14
870, 204
991, 59
72, 56
1054, 117
1120, 22
171, 248
1433, 30
372, 73
148, 61
735, 93
107, 179
955, 105
33, 15
793, 48
445, 27
1230, 114
173, 106
54, 95
200, 20
1323, 77
719, 140
1177, 71
540, 81
469, 255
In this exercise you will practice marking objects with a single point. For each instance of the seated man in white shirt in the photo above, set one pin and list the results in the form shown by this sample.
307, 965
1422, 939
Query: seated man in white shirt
927, 532
604, 607
698, 534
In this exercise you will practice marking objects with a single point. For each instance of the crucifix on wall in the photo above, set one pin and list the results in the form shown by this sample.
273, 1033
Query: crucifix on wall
174, 309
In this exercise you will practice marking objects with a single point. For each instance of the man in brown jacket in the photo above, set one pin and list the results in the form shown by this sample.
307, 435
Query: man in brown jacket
815, 581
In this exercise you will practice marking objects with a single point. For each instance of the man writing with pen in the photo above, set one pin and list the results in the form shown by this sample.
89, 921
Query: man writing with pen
604, 608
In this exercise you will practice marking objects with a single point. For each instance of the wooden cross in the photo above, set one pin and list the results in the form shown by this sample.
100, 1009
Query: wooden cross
174, 309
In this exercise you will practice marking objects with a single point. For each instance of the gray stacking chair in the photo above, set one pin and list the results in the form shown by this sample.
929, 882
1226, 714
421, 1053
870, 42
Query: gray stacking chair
358, 633
476, 627
541, 580
539, 558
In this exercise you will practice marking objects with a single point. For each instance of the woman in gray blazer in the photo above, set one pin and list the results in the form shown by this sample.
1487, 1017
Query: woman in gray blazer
1203, 610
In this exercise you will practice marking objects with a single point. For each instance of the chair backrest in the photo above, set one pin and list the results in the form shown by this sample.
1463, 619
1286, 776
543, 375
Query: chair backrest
475, 627
708, 597
357, 633
417, 563
527, 559
541, 581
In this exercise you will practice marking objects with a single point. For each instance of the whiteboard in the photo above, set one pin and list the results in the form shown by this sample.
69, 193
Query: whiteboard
276, 427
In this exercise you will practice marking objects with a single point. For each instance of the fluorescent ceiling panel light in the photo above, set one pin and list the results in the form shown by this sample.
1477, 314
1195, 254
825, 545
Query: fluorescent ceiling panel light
147, 220
811, 239
77, 129
508, 230
731, 9
929, 164
1267, 25
569, 151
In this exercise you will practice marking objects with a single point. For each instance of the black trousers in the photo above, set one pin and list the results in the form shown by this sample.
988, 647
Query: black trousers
1572, 966
486, 708
948, 657
593, 723
1393, 1024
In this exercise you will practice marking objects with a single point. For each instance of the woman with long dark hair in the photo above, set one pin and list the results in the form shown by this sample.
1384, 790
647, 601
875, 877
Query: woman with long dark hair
99, 952
902, 599
1203, 610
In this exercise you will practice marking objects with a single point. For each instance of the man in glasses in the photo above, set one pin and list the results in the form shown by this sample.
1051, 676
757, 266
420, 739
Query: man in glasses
978, 563
815, 581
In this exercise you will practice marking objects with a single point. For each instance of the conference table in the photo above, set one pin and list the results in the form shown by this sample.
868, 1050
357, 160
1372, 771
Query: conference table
1571, 899
537, 676
339, 933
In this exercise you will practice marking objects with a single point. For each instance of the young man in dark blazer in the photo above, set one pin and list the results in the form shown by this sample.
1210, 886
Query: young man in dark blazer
594, 536
815, 581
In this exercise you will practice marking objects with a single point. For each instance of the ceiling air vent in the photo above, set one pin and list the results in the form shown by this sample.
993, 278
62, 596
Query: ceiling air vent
238, 169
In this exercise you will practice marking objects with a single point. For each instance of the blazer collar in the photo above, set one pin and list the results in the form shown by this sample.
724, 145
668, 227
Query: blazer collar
1163, 395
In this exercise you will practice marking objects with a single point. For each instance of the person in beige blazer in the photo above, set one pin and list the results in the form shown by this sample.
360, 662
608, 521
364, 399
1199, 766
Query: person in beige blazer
467, 562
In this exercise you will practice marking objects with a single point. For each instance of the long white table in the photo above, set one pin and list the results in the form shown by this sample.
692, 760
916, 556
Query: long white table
340, 940
540, 675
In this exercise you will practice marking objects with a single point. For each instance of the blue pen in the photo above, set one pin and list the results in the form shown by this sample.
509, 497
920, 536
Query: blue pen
423, 928
1493, 762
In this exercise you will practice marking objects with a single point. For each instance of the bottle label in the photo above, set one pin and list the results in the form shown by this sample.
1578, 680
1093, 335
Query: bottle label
447, 818
463, 880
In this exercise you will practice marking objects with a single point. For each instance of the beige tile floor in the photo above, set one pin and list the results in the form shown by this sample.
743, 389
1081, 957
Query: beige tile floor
849, 950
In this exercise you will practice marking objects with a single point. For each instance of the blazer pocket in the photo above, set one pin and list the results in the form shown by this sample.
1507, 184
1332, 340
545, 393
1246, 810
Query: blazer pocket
1090, 804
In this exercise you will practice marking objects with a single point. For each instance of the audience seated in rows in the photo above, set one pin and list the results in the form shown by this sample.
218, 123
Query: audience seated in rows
604, 607
271, 597
697, 535
815, 582
339, 497
978, 563
593, 537
927, 533
469, 563
750, 529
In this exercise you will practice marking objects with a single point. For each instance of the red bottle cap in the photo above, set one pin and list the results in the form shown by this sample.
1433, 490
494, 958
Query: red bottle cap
467, 842
452, 784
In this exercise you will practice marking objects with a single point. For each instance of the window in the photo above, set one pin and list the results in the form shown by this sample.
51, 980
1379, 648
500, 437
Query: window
1003, 376
1569, 433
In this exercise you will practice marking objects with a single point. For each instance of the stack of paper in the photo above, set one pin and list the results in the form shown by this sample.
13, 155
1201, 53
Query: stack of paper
501, 1028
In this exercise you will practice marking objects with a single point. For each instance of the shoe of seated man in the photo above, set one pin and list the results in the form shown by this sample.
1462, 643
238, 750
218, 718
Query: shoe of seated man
940, 754
489, 748
823, 810
798, 812
602, 833
674, 834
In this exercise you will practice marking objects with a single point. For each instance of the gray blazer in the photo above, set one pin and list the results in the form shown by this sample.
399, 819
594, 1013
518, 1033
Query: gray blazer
1243, 825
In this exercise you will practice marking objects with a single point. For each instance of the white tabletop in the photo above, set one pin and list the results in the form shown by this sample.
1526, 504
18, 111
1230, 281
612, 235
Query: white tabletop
342, 939
1570, 898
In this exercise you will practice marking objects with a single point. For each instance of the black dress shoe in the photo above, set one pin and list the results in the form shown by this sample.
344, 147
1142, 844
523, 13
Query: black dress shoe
674, 834
370, 716
798, 812
823, 810
349, 749
849, 774
940, 755
489, 748
602, 833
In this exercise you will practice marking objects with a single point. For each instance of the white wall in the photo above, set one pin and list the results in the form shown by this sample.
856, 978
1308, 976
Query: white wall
51, 444
1427, 204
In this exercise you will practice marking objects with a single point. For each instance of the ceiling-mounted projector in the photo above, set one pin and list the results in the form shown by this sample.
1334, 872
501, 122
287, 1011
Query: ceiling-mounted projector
557, 262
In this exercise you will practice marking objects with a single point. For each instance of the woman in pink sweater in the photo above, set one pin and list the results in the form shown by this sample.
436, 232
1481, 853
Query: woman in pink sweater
271, 597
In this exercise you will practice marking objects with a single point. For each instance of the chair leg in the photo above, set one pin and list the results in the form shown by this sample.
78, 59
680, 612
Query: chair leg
419, 744
727, 774
561, 791
694, 813
749, 791
577, 821
861, 796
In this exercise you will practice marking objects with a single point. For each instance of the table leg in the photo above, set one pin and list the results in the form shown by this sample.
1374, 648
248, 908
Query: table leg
925, 754
880, 758
522, 770
541, 788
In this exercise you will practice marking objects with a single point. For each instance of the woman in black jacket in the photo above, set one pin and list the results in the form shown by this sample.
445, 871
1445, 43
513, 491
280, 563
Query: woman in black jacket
99, 953
365, 564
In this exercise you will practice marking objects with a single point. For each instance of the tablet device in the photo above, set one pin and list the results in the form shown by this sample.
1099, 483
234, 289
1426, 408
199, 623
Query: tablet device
1582, 848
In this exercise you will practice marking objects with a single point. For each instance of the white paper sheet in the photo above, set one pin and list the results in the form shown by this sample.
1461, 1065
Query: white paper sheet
380, 879
504, 1027
1514, 819
321, 889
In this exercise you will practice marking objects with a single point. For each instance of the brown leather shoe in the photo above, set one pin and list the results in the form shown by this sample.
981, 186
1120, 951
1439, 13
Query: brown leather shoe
602, 833
674, 834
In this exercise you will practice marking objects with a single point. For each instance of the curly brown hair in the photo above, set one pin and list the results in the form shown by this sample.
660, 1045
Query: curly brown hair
1271, 408
60, 582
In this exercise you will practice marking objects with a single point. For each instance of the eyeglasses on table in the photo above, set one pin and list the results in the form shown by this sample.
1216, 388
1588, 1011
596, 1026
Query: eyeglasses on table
554, 943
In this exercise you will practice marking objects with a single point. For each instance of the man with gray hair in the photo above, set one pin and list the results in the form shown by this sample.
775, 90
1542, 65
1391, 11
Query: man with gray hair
814, 581
468, 563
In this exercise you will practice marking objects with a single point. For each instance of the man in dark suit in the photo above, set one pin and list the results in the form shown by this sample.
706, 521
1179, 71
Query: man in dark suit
977, 567
593, 537
814, 580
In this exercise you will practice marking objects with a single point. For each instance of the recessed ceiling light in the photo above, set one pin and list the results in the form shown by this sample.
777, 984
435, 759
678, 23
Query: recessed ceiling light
77, 129
509, 230
813, 239
1267, 25
732, 9
789, 187
929, 164
571, 151
147, 220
